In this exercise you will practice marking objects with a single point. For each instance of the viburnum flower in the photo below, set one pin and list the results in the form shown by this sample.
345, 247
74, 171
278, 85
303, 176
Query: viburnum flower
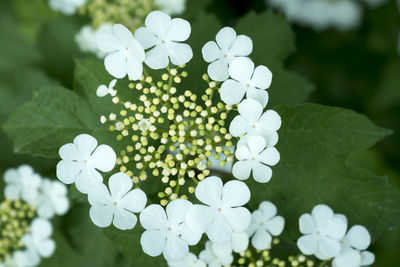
265, 224
189, 261
22, 183
103, 90
255, 157
125, 54
163, 35
216, 258
37, 242
246, 80
172, 7
252, 121
81, 160
67, 7
117, 205
323, 231
86, 39
166, 231
353, 252
220, 54
53, 199
222, 213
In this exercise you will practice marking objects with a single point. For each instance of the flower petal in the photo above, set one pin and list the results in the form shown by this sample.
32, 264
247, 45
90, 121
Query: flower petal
153, 217
12, 192
218, 70
99, 195
308, 244
41, 228
270, 120
209, 190
268, 210
135, 68
242, 153
241, 169
348, 258
101, 215
176, 210
242, 46
239, 126
261, 173
358, 237
322, 215
68, 171
232, 92
275, 225
328, 247
238, 219
103, 158
134, 201
261, 239
241, 69
87, 179
123, 35
158, 22
269, 156
219, 230
86, 144
250, 109
367, 258
256, 144
211, 52
124, 219
262, 77
145, 37
199, 217
240, 242
225, 38
261, 96
46, 248
106, 40
179, 53
153, 242
175, 249
179, 30
235, 194
188, 235
306, 224
119, 184
116, 64
71, 152
157, 57
222, 249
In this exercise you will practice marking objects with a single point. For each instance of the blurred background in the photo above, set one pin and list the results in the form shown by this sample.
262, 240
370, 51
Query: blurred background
347, 50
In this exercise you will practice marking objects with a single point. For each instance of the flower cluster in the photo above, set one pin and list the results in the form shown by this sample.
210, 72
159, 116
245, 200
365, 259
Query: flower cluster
31, 201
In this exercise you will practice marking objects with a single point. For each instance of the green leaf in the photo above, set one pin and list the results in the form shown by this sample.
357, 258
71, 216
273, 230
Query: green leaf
315, 142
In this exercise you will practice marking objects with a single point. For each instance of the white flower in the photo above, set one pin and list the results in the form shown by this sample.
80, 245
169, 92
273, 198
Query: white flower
125, 54
221, 53
353, 252
81, 160
222, 213
37, 242
216, 258
22, 183
246, 80
166, 231
265, 224
53, 199
322, 231
252, 121
86, 39
172, 7
163, 35
67, 7
117, 205
103, 90
144, 125
252, 158
189, 261
26, 258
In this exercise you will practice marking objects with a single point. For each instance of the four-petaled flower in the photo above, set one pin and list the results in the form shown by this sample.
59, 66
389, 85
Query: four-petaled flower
222, 213
252, 158
252, 121
81, 160
164, 35
189, 261
117, 205
265, 224
246, 80
53, 199
220, 54
166, 231
125, 54
103, 90
216, 258
323, 231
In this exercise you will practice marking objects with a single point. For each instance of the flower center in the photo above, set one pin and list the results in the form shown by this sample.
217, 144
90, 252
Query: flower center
169, 228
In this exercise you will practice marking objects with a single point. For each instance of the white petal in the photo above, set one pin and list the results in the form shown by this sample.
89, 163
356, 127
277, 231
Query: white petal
262, 173
106, 40
67, 171
175, 249
179, 53
250, 109
134, 201
176, 210
211, 52
241, 169
103, 158
222, 249
99, 195
218, 70
238, 219
275, 225
116, 65
348, 258
225, 38
322, 215
239, 126
235, 194
157, 57
240, 242
158, 23
306, 224
12, 192
269, 156
87, 179
41, 228
45, 210
123, 35
271, 138
86, 144
261, 239
242, 153
135, 68
262, 77
11, 176
329, 247
153, 217
337, 228
71, 152
124, 219
179, 30
46, 248
270, 120
242, 46
308, 244
241, 69
61, 205
188, 235
358, 237
119, 184
101, 215
199, 217
261, 96
145, 37
268, 210
232, 92
219, 230
256, 144
153, 242
209, 190
102, 90
367, 258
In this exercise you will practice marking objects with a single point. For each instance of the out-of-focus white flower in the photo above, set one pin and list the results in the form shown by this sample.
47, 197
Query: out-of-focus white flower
246, 80
38, 243
221, 53
252, 121
255, 157
103, 90
22, 183
167, 232
117, 205
86, 39
322, 232
67, 7
164, 36
353, 252
172, 7
222, 213
216, 258
125, 54
81, 160
189, 261
52, 200
265, 224
375, 3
